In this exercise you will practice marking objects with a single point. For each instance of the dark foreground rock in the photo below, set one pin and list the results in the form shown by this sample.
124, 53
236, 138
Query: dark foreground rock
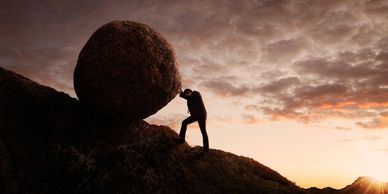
32, 115
126, 69
315, 190
48, 144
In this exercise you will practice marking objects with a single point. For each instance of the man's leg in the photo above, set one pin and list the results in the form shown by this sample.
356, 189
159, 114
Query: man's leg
185, 122
202, 126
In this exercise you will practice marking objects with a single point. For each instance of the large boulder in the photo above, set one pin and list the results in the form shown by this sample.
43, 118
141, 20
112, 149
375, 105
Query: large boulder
126, 70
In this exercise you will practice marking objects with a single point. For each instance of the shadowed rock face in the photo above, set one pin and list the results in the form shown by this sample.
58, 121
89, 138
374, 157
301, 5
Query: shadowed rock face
48, 144
126, 69
32, 115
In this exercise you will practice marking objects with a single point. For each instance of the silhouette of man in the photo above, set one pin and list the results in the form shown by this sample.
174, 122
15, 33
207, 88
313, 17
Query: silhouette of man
197, 113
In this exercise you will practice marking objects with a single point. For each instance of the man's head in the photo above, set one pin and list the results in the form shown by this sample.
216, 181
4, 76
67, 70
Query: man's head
188, 92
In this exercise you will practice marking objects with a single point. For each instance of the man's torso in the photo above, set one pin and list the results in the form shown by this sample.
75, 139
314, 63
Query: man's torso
196, 105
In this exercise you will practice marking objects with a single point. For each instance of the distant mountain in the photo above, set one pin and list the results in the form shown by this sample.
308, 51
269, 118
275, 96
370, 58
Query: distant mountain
365, 185
327, 190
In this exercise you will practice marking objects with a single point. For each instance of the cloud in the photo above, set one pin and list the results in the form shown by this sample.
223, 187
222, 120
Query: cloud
366, 138
250, 119
223, 87
278, 86
347, 140
48, 66
305, 60
332, 34
305, 102
343, 128
208, 68
372, 138
225, 119
337, 70
283, 50
351, 85
272, 74
379, 122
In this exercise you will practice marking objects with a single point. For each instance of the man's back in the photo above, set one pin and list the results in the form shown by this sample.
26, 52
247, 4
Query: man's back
196, 105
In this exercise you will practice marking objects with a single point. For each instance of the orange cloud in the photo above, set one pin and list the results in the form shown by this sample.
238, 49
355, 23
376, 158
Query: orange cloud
377, 123
336, 105
373, 105
250, 119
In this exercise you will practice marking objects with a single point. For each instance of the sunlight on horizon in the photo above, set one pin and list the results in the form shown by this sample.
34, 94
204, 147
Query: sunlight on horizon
376, 166
335, 158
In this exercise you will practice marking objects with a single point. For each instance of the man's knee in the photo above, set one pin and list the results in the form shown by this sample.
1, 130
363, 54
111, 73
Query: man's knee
185, 123
188, 120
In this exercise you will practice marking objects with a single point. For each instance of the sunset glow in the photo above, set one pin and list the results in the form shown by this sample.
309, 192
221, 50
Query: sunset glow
299, 86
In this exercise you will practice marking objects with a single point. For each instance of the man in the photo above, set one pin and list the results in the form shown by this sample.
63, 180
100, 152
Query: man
197, 113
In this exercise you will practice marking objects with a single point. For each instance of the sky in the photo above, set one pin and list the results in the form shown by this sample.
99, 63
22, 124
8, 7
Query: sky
300, 86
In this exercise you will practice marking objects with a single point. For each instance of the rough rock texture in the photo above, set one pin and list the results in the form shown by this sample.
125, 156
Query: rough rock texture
50, 145
126, 69
8, 183
32, 115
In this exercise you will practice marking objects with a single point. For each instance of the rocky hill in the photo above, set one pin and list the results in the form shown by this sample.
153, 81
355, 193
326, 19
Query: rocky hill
49, 143
365, 185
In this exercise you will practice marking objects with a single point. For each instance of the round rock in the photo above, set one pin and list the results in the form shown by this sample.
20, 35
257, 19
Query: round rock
126, 70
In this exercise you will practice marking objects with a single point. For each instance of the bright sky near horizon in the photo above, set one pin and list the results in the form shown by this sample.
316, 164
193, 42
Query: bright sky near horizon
300, 86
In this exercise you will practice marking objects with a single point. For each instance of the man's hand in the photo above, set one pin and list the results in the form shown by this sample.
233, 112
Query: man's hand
181, 93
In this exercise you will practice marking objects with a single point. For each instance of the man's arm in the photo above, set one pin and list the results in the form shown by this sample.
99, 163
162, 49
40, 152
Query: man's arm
182, 94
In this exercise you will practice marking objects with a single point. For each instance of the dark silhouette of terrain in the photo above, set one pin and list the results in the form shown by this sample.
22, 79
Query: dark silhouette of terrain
365, 185
50, 144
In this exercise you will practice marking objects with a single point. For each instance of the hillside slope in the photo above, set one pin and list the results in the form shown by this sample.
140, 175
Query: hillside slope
49, 143
365, 185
